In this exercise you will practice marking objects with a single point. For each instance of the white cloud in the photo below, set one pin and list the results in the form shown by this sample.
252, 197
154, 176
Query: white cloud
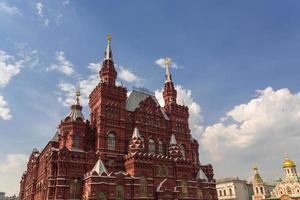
62, 65
4, 109
46, 22
160, 62
28, 57
12, 10
39, 7
267, 123
11, 170
65, 2
8, 68
184, 96
67, 95
128, 76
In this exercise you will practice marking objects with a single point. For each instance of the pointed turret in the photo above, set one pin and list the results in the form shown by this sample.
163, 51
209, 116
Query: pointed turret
72, 128
169, 93
257, 179
108, 73
136, 143
201, 176
173, 140
76, 110
100, 168
174, 149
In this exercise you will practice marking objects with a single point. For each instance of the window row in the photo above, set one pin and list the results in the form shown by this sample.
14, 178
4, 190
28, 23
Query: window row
111, 145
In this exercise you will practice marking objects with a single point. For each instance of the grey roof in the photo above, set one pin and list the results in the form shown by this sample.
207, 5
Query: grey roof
201, 175
136, 97
136, 133
173, 139
230, 179
75, 114
100, 168
55, 137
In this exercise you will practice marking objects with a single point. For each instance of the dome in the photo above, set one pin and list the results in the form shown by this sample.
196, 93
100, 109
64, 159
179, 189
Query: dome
288, 163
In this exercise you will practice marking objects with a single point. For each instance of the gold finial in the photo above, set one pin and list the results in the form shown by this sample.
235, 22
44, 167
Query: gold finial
109, 38
254, 167
77, 95
167, 62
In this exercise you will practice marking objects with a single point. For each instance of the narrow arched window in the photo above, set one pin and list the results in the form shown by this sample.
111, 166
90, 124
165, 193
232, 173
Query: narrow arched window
288, 190
102, 196
75, 188
257, 190
261, 190
182, 150
119, 192
161, 149
151, 146
184, 188
230, 191
76, 141
111, 141
143, 186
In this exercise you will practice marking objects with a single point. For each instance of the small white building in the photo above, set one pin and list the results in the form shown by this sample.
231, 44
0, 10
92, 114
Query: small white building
233, 189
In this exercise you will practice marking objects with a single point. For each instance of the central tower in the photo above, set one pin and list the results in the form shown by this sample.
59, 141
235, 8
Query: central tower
107, 105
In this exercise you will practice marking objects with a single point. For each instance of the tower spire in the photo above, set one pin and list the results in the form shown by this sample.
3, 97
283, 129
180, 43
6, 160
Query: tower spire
167, 63
108, 52
169, 92
108, 73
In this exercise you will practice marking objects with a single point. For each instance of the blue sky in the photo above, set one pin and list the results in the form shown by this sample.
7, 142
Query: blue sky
224, 52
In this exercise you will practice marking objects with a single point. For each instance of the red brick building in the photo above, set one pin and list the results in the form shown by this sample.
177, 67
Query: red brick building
132, 148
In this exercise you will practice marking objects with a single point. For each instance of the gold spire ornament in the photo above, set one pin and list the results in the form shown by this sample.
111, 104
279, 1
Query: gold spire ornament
167, 63
77, 95
108, 54
109, 37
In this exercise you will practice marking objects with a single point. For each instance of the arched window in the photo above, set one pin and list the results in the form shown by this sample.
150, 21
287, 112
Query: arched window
76, 141
151, 146
224, 192
230, 191
75, 188
288, 190
220, 193
111, 141
184, 188
158, 172
143, 186
199, 194
256, 188
261, 190
182, 149
119, 192
102, 196
161, 149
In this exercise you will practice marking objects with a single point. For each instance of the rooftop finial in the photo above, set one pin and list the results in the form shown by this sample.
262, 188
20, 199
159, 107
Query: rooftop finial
77, 95
109, 38
108, 53
167, 63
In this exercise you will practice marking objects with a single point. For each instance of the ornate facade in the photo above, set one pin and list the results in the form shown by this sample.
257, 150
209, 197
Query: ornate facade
287, 188
131, 148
